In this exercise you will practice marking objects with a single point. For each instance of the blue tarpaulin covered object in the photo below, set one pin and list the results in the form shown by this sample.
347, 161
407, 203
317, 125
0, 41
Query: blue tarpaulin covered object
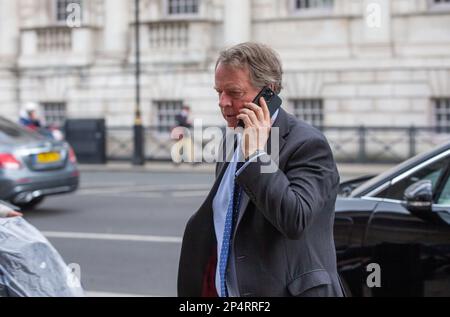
30, 266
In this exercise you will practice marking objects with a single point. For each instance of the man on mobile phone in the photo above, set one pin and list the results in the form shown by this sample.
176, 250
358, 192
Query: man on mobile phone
263, 234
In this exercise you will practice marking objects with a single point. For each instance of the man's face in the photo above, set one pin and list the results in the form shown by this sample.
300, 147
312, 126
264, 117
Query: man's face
235, 89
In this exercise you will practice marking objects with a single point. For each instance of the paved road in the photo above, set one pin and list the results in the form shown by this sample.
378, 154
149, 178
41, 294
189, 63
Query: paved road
124, 228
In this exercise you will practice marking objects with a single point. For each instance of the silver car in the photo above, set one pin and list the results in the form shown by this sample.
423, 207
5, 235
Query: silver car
33, 166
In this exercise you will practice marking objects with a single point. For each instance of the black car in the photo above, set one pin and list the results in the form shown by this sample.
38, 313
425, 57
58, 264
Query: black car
392, 231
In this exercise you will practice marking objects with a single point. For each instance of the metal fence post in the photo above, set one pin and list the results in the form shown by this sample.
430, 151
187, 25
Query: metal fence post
362, 155
412, 141
138, 141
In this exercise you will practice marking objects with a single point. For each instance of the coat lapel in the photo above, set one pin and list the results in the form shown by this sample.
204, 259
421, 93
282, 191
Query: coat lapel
282, 124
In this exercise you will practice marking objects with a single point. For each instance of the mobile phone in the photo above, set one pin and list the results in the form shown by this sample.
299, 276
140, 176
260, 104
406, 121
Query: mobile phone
273, 102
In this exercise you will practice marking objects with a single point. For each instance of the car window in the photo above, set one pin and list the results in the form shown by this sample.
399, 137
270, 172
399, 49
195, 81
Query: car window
444, 197
12, 131
375, 182
431, 172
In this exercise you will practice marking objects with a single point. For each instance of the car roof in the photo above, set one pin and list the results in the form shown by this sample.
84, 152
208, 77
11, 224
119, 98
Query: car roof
373, 183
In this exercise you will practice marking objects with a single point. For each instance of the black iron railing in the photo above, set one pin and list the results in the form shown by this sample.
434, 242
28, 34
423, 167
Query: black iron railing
349, 144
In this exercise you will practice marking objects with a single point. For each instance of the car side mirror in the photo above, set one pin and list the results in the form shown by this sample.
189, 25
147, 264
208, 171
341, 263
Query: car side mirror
418, 198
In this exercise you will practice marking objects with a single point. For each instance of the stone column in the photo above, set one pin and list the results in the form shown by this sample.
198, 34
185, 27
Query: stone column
9, 28
116, 26
237, 21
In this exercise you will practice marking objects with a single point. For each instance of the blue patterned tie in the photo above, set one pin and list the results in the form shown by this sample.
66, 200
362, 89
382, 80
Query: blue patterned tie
230, 223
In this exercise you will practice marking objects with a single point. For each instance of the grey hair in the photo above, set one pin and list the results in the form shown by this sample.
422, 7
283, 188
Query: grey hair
263, 63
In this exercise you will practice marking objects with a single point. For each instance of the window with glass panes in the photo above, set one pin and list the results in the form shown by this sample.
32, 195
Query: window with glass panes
166, 112
442, 114
61, 9
312, 4
182, 7
54, 113
309, 110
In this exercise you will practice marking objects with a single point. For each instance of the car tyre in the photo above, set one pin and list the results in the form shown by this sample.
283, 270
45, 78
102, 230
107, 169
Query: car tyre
32, 204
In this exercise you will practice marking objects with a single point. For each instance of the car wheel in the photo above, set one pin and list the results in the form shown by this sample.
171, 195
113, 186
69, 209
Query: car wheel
32, 204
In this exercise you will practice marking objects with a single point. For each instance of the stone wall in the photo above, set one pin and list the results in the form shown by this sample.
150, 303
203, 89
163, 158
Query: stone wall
365, 75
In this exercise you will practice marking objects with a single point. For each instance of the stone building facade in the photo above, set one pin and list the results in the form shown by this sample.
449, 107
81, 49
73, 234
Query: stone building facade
347, 62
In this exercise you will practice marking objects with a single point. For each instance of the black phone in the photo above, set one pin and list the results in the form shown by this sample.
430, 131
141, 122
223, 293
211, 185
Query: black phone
272, 99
